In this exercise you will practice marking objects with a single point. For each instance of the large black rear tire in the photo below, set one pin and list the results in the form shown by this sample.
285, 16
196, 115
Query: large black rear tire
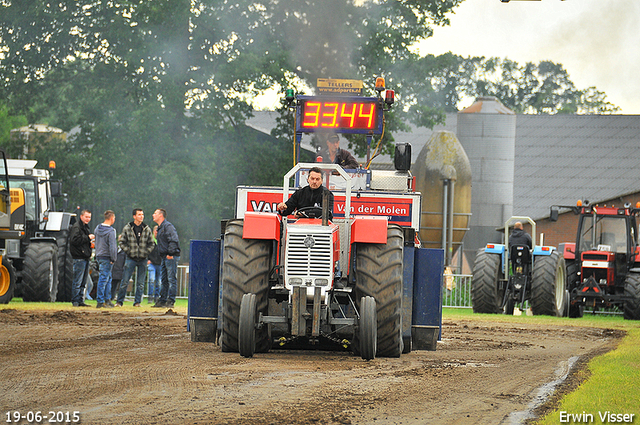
379, 275
7, 281
548, 286
245, 270
40, 272
632, 293
485, 294
65, 265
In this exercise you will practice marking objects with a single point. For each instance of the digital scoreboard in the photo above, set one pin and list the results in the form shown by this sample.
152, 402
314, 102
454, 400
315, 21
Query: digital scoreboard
339, 114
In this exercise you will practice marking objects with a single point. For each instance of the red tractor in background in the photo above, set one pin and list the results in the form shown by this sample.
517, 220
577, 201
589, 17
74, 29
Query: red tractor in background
603, 265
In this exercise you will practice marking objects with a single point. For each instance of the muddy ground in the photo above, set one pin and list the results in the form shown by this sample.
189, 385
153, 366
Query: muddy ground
128, 367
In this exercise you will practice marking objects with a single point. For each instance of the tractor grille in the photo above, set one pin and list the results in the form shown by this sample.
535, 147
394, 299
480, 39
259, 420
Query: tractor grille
596, 257
309, 257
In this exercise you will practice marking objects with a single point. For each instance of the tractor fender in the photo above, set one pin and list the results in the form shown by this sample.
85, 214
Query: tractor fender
57, 221
259, 225
568, 250
543, 251
496, 248
49, 239
369, 229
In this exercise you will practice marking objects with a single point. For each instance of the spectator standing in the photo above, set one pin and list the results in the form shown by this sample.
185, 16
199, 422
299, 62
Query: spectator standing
137, 243
116, 273
106, 254
80, 240
153, 267
169, 250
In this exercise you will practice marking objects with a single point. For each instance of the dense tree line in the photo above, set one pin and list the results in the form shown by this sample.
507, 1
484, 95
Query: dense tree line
156, 93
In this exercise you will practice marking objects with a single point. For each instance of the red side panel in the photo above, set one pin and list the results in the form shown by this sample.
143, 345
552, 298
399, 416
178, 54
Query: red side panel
261, 226
369, 229
637, 254
568, 250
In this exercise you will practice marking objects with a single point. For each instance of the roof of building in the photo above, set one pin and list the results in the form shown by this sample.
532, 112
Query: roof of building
558, 158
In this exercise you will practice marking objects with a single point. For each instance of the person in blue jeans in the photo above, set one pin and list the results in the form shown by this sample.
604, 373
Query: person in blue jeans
136, 240
153, 267
80, 240
106, 255
169, 250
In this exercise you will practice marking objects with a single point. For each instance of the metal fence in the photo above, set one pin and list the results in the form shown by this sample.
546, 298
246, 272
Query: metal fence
183, 283
456, 290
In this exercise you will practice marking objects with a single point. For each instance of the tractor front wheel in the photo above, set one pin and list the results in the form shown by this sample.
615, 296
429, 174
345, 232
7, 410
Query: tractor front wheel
485, 294
379, 275
247, 326
548, 288
40, 273
368, 328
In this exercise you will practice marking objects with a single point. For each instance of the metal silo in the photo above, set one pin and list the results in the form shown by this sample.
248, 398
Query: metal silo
487, 131
443, 176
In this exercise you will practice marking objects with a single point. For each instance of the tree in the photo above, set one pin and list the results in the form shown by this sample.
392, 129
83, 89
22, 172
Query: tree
157, 91
544, 88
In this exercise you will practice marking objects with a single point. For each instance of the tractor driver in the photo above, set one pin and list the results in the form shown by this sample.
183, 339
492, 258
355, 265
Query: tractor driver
519, 236
308, 196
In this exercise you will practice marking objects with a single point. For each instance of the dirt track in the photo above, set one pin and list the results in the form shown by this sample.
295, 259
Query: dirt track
141, 367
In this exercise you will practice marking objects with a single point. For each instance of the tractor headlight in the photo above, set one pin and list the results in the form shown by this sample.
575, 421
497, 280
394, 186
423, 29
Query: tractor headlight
321, 282
295, 281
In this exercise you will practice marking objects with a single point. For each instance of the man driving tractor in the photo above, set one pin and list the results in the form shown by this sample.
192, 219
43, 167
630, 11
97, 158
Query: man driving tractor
308, 196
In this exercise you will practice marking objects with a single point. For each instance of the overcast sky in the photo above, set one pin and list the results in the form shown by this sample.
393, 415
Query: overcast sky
597, 41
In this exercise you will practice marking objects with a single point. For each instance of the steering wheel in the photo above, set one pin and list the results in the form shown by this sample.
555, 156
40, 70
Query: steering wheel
310, 212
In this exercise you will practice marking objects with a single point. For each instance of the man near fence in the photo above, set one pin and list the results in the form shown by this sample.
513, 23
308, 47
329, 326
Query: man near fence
169, 250
137, 243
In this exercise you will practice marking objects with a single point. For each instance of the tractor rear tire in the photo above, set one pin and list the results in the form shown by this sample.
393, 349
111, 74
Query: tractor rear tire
40, 272
632, 293
65, 265
485, 296
246, 264
548, 287
7, 281
379, 275
247, 325
368, 328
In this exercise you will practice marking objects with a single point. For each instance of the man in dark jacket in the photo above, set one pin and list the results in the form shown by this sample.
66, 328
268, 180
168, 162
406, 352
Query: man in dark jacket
308, 196
334, 155
519, 236
137, 243
80, 239
169, 250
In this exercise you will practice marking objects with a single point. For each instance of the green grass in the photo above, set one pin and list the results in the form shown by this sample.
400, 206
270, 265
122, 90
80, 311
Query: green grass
612, 380
613, 384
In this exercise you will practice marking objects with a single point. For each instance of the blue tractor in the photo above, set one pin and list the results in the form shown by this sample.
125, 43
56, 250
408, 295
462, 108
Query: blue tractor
505, 277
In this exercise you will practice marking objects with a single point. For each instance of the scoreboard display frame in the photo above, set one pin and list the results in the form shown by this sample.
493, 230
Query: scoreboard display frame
339, 114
